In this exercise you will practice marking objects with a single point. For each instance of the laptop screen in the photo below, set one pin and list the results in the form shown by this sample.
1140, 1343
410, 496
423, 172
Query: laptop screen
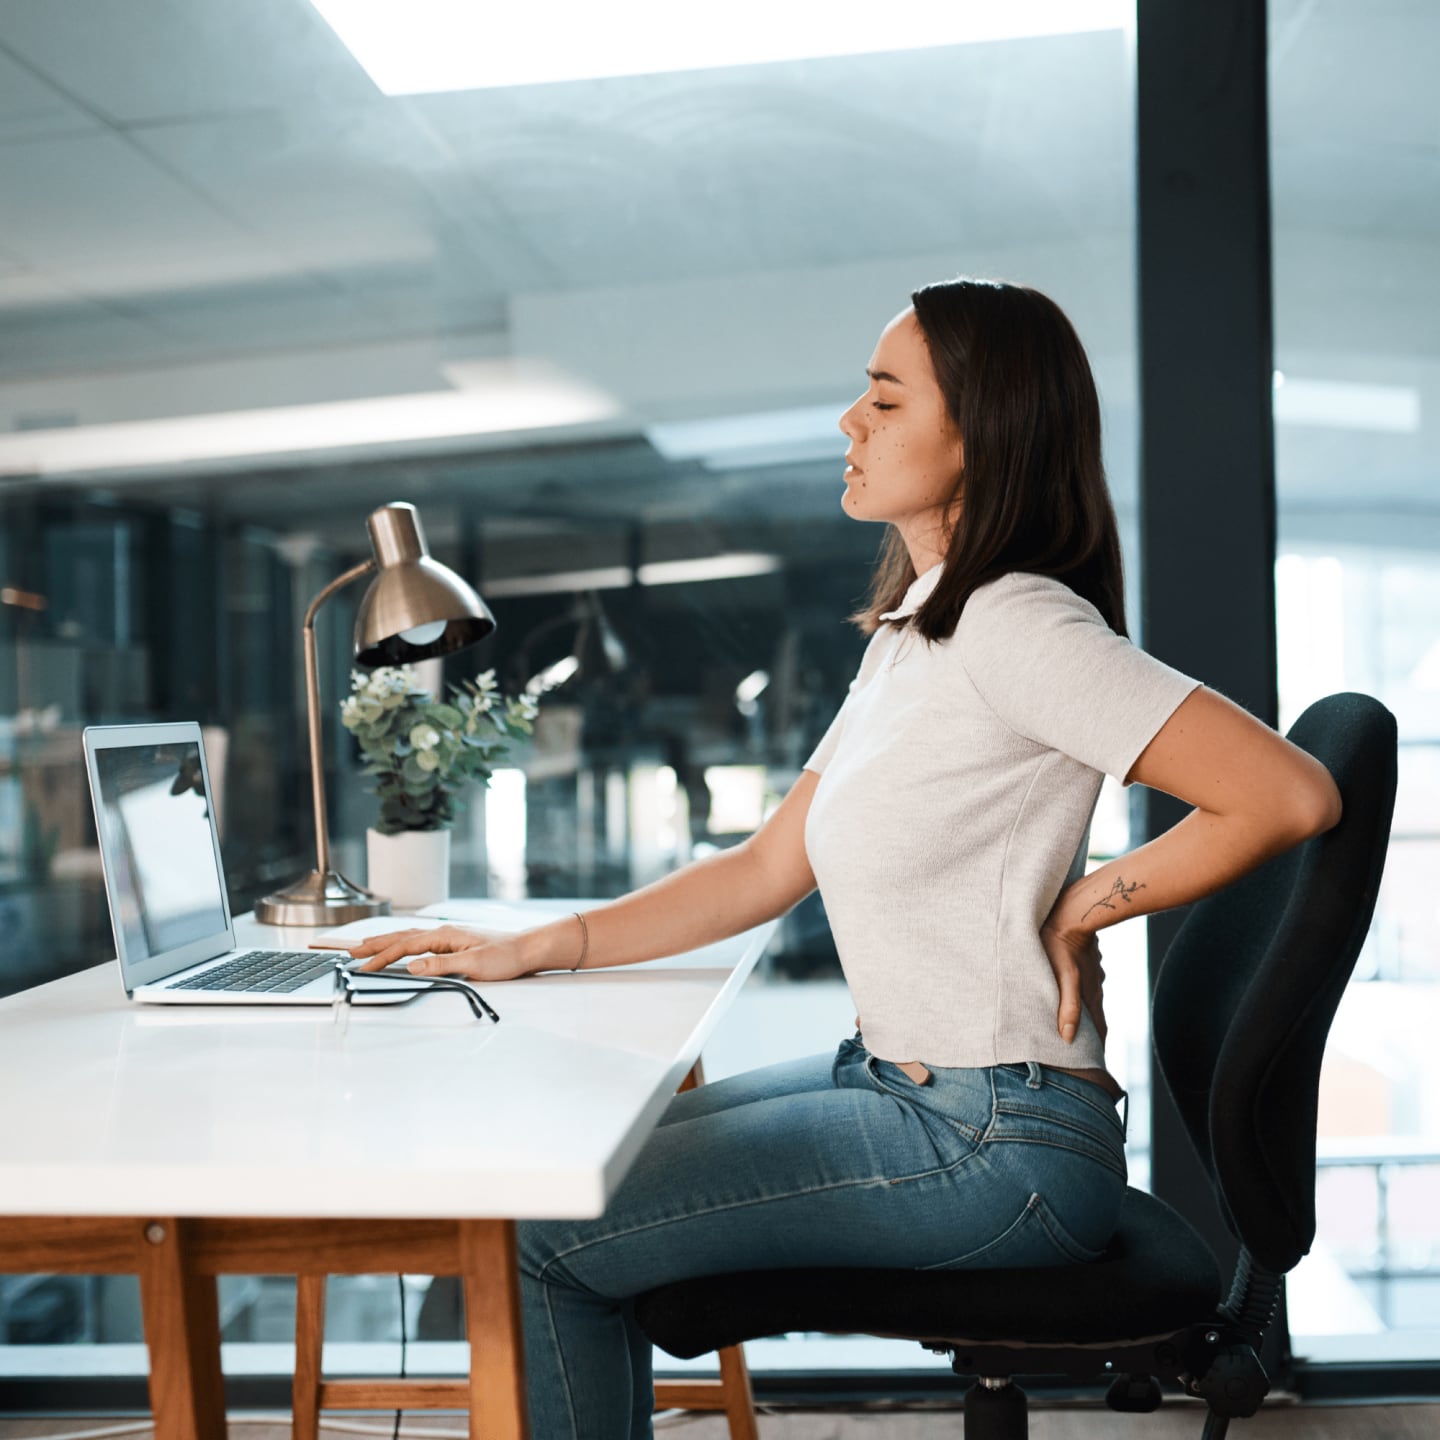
154, 814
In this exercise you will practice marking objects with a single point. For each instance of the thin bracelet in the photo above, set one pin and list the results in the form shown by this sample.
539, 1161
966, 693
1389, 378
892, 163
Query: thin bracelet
585, 948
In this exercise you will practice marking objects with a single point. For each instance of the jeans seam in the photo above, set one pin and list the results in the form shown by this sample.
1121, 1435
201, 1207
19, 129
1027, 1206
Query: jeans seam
1104, 1160
1063, 1240
994, 1108
1085, 1100
1107, 1111
966, 1256
743, 1204
559, 1351
1040, 1113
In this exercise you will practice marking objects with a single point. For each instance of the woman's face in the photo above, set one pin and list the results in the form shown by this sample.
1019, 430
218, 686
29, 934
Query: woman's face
905, 454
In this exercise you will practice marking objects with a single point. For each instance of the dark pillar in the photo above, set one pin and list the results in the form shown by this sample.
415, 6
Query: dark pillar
1207, 456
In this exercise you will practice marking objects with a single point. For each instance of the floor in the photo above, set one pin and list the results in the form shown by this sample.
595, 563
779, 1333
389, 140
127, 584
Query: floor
1175, 1420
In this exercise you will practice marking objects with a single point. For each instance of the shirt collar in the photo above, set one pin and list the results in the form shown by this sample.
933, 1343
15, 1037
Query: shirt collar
917, 594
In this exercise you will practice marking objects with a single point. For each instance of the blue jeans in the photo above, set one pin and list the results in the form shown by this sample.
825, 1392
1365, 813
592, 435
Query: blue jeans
829, 1160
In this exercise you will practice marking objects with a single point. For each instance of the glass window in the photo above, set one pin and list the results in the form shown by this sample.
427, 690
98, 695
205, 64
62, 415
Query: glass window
1358, 608
600, 332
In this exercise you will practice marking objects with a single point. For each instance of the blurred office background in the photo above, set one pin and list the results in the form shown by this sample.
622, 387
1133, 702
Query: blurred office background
600, 333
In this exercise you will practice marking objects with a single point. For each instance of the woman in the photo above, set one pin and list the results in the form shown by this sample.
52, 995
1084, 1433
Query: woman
970, 1121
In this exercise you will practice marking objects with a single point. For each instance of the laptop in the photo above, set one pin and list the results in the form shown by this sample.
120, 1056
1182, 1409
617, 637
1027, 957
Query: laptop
160, 851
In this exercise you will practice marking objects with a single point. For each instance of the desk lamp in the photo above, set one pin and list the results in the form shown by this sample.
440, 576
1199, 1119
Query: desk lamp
415, 609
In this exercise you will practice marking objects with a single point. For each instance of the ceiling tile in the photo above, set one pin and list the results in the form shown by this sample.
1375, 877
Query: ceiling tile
22, 288
160, 59
271, 315
29, 108
81, 336
662, 177
344, 191
97, 213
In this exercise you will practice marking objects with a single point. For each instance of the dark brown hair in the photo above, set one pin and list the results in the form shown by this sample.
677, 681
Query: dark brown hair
1032, 495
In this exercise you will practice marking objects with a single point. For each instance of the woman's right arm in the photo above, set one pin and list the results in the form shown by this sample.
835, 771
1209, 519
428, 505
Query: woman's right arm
710, 899
707, 900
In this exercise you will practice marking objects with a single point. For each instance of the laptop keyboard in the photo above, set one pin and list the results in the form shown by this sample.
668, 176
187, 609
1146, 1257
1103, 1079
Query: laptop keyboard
273, 970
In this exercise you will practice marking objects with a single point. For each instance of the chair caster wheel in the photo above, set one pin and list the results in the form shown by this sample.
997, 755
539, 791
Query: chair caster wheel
1134, 1394
995, 1411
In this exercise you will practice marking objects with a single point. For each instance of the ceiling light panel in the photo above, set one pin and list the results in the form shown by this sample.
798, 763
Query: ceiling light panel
430, 45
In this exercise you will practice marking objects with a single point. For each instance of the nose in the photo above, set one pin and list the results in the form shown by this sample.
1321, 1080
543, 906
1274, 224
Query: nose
847, 422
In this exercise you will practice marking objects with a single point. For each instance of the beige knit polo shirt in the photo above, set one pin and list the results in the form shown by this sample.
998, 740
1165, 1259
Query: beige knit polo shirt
958, 782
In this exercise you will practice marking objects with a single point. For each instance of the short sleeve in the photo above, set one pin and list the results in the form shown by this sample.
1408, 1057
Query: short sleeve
820, 756
1047, 663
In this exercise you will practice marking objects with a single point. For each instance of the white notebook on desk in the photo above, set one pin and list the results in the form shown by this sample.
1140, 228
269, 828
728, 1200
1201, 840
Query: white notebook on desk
495, 915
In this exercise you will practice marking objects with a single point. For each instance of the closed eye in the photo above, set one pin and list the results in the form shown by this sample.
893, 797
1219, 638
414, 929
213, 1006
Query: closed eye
879, 406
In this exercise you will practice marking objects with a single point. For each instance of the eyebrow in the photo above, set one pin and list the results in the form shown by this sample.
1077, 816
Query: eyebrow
883, 375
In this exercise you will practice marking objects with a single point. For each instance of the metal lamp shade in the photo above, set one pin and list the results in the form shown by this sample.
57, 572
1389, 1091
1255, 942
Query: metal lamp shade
415, 608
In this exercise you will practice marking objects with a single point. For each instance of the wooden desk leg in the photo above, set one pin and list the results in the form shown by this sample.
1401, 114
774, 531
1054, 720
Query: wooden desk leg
309, 1347
489, 1267
182, 1331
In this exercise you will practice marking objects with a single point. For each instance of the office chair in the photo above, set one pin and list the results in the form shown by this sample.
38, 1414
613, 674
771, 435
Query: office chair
1240, 1012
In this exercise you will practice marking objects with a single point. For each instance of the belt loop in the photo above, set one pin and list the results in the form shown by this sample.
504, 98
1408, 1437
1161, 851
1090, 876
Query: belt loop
1125, 1115
1032, 1078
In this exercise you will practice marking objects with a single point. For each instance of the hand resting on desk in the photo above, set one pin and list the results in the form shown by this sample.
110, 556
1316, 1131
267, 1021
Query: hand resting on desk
450, 950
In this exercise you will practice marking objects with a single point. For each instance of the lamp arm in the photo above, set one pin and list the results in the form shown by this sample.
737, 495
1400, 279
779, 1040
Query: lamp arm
312, 703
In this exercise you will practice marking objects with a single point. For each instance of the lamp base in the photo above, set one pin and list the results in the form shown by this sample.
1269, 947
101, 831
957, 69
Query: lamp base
328, 899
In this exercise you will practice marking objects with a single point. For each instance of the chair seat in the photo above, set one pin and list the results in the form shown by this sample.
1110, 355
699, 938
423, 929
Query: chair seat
1156, 1276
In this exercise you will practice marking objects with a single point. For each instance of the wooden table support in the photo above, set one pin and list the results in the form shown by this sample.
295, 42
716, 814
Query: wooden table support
177, 1299
178, 1259
182, 1333
493, 1367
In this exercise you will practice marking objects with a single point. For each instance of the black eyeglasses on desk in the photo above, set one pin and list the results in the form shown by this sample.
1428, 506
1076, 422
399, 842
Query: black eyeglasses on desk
345, 990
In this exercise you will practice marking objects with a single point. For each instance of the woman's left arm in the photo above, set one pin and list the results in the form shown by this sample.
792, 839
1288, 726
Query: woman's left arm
1255, 795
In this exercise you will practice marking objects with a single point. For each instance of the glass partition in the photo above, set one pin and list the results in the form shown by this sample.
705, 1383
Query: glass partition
600, 332
1357, 387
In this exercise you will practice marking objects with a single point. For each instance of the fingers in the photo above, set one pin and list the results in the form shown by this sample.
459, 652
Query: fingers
441, 965
381, 950
374, 942
385, 950
1069, 1016
467, 964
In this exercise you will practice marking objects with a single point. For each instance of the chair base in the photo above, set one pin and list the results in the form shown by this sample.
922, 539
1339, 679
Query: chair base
996, 1410
1213, 1362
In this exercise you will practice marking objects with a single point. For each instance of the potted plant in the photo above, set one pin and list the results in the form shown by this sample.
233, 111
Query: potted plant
421, 753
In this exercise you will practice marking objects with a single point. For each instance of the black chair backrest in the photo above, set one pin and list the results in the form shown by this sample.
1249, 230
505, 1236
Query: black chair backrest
1249, 985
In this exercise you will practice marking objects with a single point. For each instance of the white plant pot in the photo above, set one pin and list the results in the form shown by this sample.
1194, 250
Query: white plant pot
411, 869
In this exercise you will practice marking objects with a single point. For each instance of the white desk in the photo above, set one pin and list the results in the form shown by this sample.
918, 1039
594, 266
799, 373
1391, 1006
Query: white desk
178, 1143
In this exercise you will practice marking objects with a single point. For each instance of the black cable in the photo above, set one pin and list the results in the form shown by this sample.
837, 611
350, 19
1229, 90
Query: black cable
395, 1434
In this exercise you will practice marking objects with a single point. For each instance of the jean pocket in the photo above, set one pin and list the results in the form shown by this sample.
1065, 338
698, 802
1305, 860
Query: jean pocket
1034, 1238
936, 1104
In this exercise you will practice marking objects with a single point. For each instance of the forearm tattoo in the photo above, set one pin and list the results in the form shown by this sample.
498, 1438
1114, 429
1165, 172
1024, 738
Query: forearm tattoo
1118, 888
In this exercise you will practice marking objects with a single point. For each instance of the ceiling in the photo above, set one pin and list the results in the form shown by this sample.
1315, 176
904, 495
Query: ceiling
209, 208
